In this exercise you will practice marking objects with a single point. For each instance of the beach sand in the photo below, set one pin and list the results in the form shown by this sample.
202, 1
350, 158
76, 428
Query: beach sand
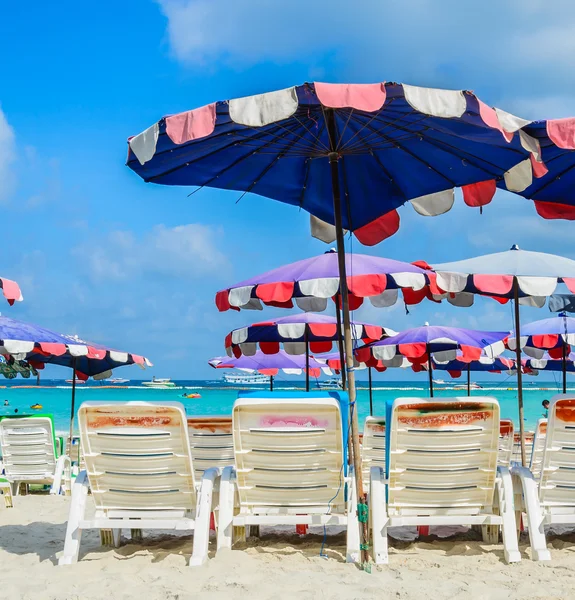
278, 566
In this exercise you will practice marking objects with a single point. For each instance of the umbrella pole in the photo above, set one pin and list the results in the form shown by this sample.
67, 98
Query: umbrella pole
306, 362
430, 372
469, 379
271, 383
362, 508
370, 392
564, 360
69, 445
519, 370
340, 341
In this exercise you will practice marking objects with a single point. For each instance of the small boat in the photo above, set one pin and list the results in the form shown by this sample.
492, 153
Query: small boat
329, 384
78, 381
114, 381
246, 379
36, 407
162, 384
439, 382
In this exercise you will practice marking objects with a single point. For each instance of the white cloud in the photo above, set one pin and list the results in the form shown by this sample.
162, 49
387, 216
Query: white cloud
184, 252
7, 157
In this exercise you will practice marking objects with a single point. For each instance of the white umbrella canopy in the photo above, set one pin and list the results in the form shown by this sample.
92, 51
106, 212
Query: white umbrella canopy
526, 277
535, 274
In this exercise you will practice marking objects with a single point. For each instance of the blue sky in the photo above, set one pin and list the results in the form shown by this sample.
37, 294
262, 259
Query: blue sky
99, 253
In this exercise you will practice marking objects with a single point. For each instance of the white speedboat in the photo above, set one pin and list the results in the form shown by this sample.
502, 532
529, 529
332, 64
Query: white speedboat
330, 384
246, 379
162, 384
114, 381
78, 381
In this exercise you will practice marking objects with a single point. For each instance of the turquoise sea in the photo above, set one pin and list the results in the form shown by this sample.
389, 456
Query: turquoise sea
218, 400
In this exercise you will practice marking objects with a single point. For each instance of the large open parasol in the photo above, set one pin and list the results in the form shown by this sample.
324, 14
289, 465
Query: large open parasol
39, 346
300, 334
554, 336
526, 277
422, 344
348, 154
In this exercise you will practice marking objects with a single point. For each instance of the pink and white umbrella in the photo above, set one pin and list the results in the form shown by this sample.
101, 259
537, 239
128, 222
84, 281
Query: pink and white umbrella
10, 290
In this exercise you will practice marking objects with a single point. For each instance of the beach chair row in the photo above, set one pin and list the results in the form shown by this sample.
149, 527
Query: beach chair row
289, 468
282, 461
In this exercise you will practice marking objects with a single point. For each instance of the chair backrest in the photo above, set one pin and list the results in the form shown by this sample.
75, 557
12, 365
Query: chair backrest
289, 455
28, 447
137, 455
538, 448
373, 446
506, 441
442, 455
557, 479
212, 443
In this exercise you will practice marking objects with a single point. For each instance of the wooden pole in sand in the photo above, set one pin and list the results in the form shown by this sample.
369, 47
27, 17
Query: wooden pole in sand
334, 158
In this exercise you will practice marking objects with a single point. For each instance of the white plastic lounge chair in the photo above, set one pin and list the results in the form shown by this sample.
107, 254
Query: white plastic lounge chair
506, 441
538, 448
372, 447
212, 443
31, 454
289, 455
442, 465
551, 501
140, 471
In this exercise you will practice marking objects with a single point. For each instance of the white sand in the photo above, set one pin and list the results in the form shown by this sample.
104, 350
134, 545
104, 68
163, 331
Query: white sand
276, 566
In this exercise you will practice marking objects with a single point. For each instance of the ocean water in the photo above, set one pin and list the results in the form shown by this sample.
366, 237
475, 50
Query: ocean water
55, 397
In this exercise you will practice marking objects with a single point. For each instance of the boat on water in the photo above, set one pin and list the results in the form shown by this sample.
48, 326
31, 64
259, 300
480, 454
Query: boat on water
114, 381
472, 386
78, 381
439, 382
162, 384
246, 378
329, 384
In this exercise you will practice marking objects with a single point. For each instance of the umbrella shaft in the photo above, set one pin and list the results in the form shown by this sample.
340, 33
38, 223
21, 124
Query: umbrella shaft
519, 373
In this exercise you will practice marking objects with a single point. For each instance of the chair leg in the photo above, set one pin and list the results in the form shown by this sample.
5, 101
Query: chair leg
353, 553
534, 514
378, 510
504, 491
203, 514
226, 514
116, 537
7, 493
77, 511
136, 536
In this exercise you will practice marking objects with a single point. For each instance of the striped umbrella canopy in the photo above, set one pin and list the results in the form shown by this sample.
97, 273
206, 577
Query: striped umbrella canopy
271, 364
301, 333
547, 363
441, 343
553, 336
391, 144
311, 282
10, 290
552, 189
40, 346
